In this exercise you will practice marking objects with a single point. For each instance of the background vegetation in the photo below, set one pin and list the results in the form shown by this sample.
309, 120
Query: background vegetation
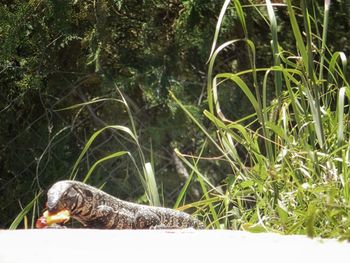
258, 134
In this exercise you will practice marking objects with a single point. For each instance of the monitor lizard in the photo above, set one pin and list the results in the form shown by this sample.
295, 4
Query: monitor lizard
97, 209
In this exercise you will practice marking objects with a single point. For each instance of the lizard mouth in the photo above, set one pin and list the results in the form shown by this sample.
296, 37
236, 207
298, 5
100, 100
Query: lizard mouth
51, 218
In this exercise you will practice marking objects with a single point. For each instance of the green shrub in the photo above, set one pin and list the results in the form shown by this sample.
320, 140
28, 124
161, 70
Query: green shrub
288, 158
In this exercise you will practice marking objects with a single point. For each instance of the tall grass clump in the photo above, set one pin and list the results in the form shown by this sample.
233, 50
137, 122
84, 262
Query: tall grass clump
143, 167
289, 159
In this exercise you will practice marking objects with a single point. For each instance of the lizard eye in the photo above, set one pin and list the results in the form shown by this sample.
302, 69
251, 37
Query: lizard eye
69, 198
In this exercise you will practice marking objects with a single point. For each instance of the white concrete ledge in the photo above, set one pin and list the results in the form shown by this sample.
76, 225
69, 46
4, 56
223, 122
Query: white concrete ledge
100, 246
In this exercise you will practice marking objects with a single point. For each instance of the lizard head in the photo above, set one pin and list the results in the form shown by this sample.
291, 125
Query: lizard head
63, 195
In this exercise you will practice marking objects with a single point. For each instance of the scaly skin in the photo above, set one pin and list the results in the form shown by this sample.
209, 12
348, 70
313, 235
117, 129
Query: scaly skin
97, 209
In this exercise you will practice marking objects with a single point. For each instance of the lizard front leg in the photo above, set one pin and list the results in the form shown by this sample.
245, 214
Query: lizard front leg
145, 219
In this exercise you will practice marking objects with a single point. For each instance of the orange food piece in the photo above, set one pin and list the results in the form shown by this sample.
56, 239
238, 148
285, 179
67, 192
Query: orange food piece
54, 218
49, 219
41, 222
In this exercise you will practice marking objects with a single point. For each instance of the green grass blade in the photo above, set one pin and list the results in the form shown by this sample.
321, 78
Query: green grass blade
243, 86
315, 112
92, 139
24, 212
278, 130
307, 28
152, 185
93, 101
203, 182
297, 34
241, 17
275, 51
111, 156
183, 191
218, 26
213, 213
211, 100
324, 37
195, 121
334, 67
340, 115
199, 174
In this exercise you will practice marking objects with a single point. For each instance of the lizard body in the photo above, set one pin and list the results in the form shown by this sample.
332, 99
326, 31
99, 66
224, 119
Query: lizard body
97, 209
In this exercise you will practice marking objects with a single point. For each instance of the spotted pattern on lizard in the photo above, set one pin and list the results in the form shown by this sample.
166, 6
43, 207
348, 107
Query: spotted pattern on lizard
97, 209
